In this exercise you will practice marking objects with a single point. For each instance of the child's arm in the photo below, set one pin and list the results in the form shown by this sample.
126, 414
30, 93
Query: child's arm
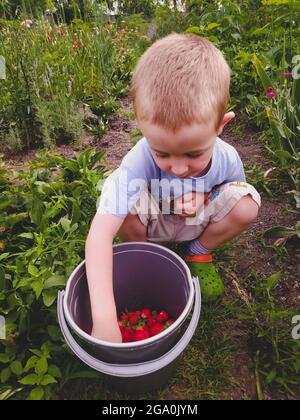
99, 257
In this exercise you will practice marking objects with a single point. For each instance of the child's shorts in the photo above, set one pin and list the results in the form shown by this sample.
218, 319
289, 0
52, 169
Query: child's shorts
164, 228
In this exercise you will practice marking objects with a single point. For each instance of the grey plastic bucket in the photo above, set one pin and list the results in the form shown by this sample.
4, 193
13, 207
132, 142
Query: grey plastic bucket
144, 275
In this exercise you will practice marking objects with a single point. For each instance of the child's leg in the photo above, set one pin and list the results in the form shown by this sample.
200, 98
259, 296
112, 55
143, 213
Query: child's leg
237, 221
132, 229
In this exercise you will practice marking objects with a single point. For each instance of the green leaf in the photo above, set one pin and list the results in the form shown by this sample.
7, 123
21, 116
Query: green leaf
37, 394
37, 286
5, 375
41, 367
37, 352
284, 154
31, 379
265, 79
47, 380
66, 224
54, 371
33, 270
49, 297
4, 358
271, 376
16, 367
8, 392
212, 26
76, 213
31, 362
4, 256
43, 188
194, 30
279, 232
37, 211
54, 332
26, 235
273, 280
213, 39
55, 281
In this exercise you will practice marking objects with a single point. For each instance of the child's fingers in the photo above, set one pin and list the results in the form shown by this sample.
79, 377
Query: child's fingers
187, 197
192, 197
189, 204
185, 209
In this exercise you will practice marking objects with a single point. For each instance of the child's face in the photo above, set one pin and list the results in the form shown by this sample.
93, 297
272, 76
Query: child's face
183, 154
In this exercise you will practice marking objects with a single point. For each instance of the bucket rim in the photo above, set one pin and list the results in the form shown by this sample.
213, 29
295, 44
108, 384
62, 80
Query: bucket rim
138, 344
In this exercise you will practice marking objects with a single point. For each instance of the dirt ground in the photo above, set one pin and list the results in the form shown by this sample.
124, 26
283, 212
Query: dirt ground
248, 254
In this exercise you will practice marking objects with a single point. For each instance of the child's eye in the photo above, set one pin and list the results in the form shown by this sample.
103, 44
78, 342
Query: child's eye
161, 156
193, 156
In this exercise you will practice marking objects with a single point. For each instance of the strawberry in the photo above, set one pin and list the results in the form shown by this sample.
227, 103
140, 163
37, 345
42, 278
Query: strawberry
141, 333
133, 319
156, 328
124, 317
127, 335
162, 317
145, 313
150, 321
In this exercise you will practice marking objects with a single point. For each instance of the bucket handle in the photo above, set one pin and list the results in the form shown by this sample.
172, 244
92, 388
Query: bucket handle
139, 369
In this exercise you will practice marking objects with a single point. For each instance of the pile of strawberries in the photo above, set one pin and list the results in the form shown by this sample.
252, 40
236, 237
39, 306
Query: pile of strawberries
140, 325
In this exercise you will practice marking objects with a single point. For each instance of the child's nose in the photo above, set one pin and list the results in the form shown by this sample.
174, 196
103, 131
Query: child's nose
179, 170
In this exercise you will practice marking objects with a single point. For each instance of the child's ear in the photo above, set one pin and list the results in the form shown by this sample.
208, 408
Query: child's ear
227, 118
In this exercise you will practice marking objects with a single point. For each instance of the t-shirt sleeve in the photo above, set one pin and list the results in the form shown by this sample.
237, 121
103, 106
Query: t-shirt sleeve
122, 188
236, 169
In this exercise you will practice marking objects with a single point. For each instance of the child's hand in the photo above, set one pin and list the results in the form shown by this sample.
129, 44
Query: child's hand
189, 204
107, 331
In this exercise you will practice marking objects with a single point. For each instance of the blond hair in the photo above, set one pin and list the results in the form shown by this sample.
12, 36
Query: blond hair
180, 80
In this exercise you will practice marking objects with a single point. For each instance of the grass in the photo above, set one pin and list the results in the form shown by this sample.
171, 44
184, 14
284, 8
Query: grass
136, 135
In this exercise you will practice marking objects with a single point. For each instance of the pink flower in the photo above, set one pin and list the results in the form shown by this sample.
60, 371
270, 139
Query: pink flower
27, 23
287, 74
60, 31
271, 95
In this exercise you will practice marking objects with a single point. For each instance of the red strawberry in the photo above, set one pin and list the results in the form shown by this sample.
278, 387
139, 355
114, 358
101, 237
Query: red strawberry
156, 328
141, 333
150, 321
145, 313
133, 319
127, 335
162, 316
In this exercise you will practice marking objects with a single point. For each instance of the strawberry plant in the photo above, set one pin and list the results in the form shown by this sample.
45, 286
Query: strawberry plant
45, 217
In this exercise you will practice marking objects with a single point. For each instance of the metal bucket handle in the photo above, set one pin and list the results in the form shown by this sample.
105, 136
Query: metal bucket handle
129, 370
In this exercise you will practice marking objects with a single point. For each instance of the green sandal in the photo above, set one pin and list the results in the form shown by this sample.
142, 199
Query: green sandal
201, 266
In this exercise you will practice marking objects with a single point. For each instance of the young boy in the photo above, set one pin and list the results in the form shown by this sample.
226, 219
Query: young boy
181, 183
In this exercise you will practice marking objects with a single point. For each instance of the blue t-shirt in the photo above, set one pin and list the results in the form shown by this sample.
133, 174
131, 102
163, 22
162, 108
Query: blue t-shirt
138, 171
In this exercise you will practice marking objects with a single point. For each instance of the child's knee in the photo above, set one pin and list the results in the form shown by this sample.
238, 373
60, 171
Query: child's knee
246, 211
237, 200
